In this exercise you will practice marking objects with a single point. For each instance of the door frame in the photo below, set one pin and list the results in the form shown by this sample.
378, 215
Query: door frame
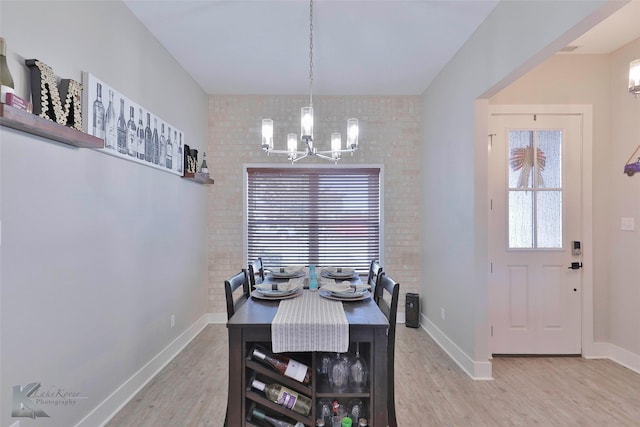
585, 111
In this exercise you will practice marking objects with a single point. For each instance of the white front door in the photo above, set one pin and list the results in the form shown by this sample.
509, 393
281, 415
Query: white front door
535, 190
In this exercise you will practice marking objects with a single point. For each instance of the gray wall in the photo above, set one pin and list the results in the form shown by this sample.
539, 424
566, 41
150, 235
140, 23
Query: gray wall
97, 252
515, 37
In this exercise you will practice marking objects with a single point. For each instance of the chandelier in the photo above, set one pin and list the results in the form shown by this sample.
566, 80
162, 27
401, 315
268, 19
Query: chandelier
306, 126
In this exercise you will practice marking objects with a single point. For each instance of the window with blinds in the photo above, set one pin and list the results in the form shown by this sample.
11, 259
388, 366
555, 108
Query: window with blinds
321, 216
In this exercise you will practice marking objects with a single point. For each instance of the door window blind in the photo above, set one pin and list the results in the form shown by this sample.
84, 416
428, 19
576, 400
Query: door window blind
321, 216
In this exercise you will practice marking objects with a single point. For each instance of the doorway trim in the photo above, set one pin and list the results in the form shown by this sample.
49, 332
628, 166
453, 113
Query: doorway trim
586, 113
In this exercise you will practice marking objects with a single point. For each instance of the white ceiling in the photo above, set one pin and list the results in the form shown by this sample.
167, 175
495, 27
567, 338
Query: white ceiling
366, 47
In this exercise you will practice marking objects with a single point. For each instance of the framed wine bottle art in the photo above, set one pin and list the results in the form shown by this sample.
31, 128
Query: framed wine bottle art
129, 130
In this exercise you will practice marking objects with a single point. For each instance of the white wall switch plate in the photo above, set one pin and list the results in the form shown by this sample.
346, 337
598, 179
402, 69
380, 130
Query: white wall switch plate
627, 224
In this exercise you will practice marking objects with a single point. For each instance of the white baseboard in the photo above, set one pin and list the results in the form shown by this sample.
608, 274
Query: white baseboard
475, 369
16, 424
621, 356
112, 404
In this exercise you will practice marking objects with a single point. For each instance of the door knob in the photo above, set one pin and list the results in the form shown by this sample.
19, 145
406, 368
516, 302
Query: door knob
575, 266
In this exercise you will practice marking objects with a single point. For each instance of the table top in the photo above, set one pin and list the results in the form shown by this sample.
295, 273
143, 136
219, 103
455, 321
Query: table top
256, 312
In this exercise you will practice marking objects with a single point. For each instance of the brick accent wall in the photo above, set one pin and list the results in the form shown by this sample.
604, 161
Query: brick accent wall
389, 135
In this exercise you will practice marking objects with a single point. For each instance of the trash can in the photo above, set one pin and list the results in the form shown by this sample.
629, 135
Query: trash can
412, 310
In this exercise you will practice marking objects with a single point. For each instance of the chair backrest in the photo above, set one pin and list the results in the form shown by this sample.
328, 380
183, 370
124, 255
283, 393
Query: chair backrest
256, 270
388, 290
375, 269
230, 285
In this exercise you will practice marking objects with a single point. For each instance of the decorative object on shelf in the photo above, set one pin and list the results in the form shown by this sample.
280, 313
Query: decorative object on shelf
155, 143
6, 80
204, 169
59, 104
631, 168
306, 126
14, 100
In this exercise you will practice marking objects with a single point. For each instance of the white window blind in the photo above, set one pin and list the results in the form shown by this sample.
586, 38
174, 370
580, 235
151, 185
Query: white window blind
321, 216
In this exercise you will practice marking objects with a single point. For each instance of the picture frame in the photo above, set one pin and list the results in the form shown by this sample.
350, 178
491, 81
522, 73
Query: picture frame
120, 122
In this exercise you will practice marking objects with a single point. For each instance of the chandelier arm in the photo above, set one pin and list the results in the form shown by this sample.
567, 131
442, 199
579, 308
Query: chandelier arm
299, 158
347, 150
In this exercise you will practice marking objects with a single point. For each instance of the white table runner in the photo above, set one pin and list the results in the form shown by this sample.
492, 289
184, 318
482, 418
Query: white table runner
310, 323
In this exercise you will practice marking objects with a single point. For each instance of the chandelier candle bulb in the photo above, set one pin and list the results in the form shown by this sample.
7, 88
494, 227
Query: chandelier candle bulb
352, 133
292, 144
306, 123
336, 144
267, 134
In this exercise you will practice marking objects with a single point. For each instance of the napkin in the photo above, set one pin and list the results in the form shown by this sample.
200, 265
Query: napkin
289, 285
290, 269
338, 270
343, 286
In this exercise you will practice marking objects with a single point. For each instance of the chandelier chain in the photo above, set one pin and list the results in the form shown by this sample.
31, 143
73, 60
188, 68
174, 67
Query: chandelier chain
311, 53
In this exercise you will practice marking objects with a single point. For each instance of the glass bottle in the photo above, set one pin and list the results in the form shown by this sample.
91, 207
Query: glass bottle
6, 80
284, 397
98, 114
203, 167
162, 156
156, 142
274, 422
132, 135
140, 137
148, 141
110, 126
284, 365
122, 130
169, 150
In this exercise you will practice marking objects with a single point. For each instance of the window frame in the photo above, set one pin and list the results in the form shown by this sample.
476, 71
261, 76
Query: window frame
298, 167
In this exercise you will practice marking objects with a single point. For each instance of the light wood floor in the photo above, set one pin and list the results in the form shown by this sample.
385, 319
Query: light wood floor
430, 389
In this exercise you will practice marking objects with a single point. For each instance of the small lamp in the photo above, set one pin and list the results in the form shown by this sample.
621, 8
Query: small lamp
634, 77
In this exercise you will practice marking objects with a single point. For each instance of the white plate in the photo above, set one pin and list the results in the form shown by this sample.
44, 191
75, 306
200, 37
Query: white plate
276, 292
256, 294
329, 295
335, 275
348, 295
285, 275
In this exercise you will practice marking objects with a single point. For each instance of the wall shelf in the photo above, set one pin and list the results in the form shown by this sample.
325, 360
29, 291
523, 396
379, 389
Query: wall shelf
202, 179
30, 123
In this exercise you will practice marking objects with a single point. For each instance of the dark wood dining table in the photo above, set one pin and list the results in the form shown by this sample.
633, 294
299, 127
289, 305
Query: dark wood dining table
252, 323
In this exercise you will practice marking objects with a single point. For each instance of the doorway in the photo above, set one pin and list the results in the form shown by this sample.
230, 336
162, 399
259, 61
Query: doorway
538, 230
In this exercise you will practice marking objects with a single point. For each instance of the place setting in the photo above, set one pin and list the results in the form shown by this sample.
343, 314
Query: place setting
343, 290
337, 272
289, 272
277, 291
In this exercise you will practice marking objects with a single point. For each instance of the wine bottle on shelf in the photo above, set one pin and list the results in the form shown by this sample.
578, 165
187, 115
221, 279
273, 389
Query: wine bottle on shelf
274, 422
204, 168
6, 80
284, 396
284, 365
122, 130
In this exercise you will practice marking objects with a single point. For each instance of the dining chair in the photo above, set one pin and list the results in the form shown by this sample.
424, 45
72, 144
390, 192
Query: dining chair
375, 269
230, 285
256, 270
388, 290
